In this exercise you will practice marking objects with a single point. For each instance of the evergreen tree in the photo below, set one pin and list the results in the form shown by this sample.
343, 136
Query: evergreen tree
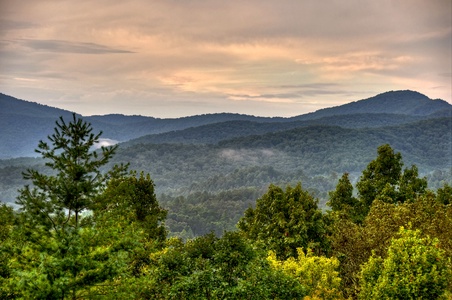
410, 185
60, 253
54, 199
444, 194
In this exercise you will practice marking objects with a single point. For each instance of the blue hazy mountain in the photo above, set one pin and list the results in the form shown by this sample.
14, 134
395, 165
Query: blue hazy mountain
24, 123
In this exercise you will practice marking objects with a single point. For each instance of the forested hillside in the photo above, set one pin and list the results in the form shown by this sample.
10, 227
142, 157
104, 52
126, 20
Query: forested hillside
89, 230
213, 133
214, 167
393, 102
311, 150
208, 186
24, 123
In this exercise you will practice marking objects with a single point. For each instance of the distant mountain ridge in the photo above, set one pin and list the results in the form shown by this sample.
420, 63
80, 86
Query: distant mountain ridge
307, 153
13, 106
24, 123
216, 132
208, 169
394, 102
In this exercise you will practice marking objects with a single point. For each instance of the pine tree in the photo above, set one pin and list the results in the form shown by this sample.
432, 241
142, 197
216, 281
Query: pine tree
60, 253
56, 200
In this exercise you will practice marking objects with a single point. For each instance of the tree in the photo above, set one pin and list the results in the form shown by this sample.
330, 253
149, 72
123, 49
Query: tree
342, 200
383, 179
284, 221
415, 268
78, 179
63, 251
134, 196
208, 267
7, 223
354, 244
381, 173
410, 185
444, 194
317, 273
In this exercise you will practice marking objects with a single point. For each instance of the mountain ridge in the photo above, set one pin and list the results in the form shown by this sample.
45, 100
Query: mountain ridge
234, 161
215, 132
396, 102
24, 123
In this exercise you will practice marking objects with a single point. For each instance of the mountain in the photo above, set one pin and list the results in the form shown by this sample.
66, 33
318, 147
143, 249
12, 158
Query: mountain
124, 128
10, 106
208, 186
283, 156
216, 132
394, 102
315, 150
24, 123
208, 169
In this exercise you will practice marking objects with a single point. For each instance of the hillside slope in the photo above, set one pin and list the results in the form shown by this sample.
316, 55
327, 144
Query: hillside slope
393, 102
208, 186
216, 132
24, 123
312, 150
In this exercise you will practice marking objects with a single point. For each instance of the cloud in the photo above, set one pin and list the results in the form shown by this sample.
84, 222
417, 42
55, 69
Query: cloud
6, 25
248, 155
171, 58
69, 47
104, 142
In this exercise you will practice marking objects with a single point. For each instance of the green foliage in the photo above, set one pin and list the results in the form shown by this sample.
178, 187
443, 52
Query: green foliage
284, 221
78, 177
342, 197
383, 179
87, 231
7, 223
317, 273
133, 196
212, 268
381, 174
444, 194
7, 220
70, 266
341, 200
410, 185
60, 249
354, 244
415, 268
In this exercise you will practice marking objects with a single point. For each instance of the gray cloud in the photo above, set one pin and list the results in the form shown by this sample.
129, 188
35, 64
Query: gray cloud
69, 47
6, 24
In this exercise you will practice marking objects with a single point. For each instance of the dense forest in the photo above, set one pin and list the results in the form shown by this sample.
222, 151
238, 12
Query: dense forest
209, 169
87, 228
196, 182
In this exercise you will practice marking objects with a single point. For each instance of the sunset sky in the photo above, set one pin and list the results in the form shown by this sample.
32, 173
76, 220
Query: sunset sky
185, 57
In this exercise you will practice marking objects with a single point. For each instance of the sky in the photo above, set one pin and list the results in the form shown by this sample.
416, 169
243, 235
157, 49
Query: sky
177, 58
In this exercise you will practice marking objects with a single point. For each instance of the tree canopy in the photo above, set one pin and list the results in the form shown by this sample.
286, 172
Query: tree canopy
85, 230
286, 220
